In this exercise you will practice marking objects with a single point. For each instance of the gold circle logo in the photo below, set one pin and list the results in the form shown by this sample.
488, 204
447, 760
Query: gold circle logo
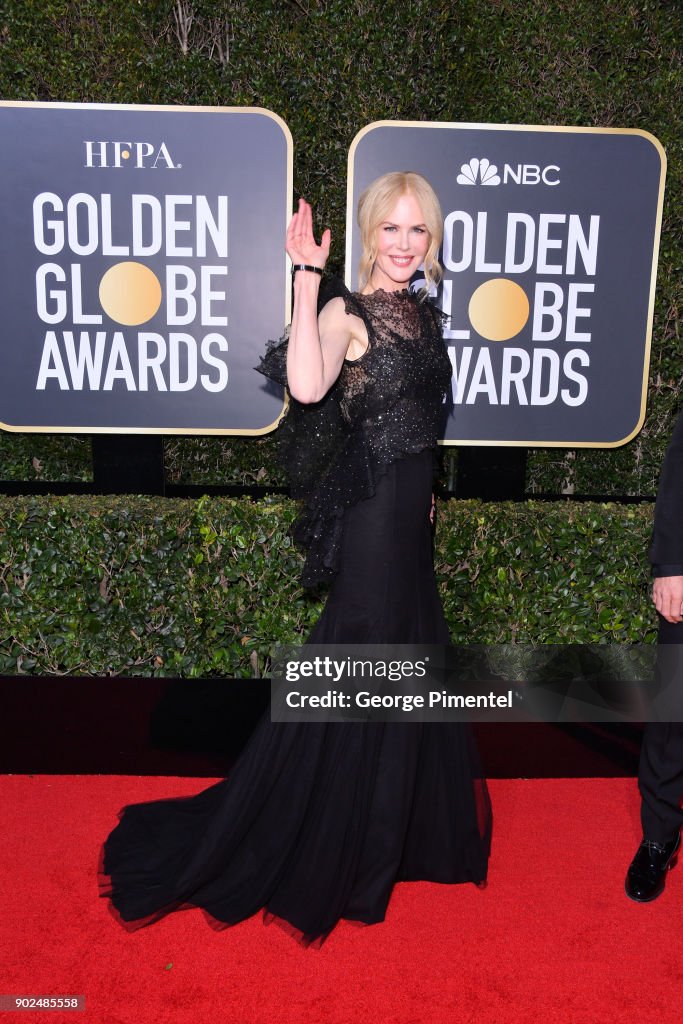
130, 293
498, 309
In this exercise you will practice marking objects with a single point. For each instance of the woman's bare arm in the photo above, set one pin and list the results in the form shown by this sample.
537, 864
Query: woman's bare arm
317, 345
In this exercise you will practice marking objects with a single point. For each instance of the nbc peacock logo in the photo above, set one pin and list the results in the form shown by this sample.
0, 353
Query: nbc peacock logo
478, 172
482, 172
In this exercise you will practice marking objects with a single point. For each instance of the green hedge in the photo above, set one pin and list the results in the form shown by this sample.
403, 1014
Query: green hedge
141, 586
329, 67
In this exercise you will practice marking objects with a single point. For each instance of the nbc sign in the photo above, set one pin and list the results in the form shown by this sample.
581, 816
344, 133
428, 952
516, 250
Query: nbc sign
549, 256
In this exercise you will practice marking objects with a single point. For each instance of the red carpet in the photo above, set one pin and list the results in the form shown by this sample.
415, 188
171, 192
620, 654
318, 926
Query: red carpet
552, 938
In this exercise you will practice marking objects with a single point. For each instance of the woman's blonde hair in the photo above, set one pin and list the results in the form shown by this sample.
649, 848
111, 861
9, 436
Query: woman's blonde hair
375, 205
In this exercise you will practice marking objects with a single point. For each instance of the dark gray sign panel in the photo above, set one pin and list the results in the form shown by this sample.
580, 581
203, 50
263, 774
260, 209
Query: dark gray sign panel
142, 266
550, 250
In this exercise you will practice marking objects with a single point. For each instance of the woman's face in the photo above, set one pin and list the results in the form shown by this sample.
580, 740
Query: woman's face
402, 243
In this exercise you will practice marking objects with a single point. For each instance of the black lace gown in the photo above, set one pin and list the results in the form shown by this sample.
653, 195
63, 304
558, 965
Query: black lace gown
318, 821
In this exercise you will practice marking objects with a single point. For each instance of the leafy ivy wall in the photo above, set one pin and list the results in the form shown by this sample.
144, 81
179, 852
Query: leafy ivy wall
143, 586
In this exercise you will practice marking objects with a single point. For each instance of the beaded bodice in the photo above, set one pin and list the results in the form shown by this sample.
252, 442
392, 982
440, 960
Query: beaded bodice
395, 391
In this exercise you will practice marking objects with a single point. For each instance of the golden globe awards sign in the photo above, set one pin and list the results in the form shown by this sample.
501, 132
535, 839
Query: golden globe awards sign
142, 266
549, 254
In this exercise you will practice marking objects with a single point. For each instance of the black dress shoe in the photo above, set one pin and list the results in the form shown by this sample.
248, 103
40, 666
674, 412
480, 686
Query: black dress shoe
647, 873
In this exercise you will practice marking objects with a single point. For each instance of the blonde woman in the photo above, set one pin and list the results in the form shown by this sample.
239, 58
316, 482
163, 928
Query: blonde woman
318, 821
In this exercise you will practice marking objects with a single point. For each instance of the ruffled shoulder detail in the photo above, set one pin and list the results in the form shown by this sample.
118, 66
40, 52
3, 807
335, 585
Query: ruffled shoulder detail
273, 364
441, 319
334, 288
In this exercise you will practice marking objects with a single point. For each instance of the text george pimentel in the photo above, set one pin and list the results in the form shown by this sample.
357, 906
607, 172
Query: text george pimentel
396, 670
399, 701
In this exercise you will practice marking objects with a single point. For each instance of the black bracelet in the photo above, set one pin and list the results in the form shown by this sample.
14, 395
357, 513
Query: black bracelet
307, 266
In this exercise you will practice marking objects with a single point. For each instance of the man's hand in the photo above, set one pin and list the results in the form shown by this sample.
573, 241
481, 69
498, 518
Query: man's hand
667, 594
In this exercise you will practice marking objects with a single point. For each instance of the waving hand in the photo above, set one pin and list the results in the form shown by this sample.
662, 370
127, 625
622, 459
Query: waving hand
301, 245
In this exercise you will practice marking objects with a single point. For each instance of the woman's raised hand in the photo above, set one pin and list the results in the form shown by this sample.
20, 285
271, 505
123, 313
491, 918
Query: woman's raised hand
301, 245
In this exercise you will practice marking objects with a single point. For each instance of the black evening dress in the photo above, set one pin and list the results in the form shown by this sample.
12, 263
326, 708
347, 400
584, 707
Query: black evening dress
317, 821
